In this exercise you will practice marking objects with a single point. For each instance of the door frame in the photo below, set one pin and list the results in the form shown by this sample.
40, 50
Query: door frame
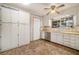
32, 26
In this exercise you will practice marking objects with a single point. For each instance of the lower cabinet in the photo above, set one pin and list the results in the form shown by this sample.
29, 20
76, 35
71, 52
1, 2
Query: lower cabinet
69, 40
12, 32
13, 35
77, 42
24, 34
57, 37
9, 38
66, 40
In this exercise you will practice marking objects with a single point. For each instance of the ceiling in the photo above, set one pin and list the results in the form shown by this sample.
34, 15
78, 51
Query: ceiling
38, 8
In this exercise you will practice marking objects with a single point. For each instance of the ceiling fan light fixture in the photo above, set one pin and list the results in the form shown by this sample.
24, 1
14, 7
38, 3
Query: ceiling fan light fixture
52, 11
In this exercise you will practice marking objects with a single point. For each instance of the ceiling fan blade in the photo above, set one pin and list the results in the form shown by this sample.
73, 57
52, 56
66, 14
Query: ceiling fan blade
57, 12
62, 5
46, 8
48, 13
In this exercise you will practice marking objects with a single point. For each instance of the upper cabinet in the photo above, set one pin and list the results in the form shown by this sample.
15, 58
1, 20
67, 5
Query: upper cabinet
6, 15
63, 22
14, 16
24, 17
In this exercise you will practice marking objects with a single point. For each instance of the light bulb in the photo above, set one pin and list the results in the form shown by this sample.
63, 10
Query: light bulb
52, 11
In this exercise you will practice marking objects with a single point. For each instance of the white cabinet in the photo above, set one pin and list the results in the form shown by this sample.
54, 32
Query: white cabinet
53, 37
14, 28
24, 17
59, 38
23, 34
56, 37
9, 39
77, 42
66, 40
6, 15
6, 36
69, 40
14, 16
72, 41
14, 37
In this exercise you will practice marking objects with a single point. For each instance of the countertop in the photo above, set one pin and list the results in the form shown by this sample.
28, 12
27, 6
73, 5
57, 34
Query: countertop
63, 31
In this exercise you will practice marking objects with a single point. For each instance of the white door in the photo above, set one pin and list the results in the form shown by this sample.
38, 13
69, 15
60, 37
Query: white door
24, 36
36, 29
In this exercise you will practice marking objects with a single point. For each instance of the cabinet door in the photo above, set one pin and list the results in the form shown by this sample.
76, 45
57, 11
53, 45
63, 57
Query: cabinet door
23, 34
14, 39
53, 37
6, 36
24, 17
72, 41
66, 39
77, 42
59, 38
6, 15
14, 16
27, 34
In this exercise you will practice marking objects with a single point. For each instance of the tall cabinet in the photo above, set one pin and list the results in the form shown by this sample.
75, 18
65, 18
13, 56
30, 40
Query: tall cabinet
24, 28
14, 28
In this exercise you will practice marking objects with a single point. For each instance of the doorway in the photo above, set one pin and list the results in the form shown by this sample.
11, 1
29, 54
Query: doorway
36, 29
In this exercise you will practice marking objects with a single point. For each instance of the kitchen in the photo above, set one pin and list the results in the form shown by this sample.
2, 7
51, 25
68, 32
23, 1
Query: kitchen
33, 30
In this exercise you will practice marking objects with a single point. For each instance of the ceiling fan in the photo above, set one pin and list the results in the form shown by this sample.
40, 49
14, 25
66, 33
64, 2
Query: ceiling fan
54, 8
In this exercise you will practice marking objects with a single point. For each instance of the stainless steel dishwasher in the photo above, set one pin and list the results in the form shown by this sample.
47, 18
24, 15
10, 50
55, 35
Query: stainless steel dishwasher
47, 36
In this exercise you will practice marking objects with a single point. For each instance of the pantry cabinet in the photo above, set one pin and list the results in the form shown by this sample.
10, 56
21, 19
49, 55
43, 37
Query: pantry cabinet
14, 28
24, 17
6, 36
14, 16
23, 34
5, 14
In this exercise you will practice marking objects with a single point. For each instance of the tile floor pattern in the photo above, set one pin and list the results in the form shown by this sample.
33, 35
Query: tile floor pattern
41, 47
